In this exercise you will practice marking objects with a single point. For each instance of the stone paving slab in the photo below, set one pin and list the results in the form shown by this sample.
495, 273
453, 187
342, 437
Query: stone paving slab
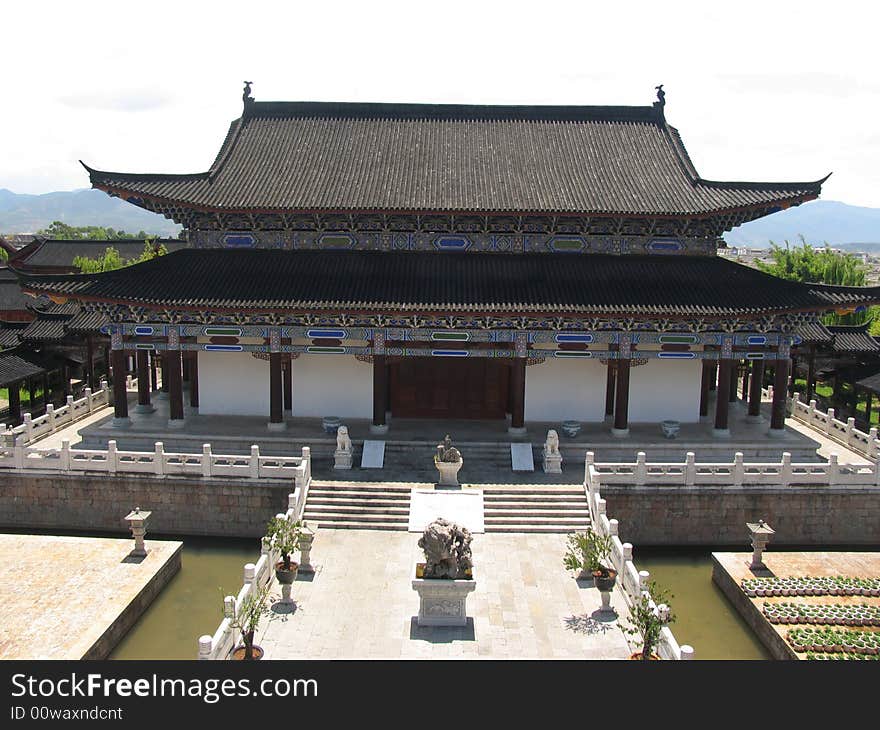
463, 506
360, 604
75, 597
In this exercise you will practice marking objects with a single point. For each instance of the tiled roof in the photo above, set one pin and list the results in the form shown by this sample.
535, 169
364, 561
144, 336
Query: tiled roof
86, 322
46, 328
853, 339
15, 366
600, 284
309, 156
57, 253
11, 296
9, 337
871, 382
814, 332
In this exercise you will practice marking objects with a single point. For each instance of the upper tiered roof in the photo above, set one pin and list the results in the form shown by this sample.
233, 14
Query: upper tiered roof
583, 160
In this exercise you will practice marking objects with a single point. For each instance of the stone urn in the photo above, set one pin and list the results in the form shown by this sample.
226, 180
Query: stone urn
571, 428
670, 429
448, 472
331, 424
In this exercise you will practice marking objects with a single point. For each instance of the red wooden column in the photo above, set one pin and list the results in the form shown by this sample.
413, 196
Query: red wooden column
153, 381
143, 376
722, 399
609, 388
276, 397
811, 373
163, 367
780, 390
745, 381
380, 394
755, 390
733, 382
118, 361
517, 397
621, 400
287, 383
14, 402
175, 380
704, 387
90, 362
194, 380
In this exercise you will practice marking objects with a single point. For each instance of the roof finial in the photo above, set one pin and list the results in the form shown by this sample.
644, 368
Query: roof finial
246, 96
661, 95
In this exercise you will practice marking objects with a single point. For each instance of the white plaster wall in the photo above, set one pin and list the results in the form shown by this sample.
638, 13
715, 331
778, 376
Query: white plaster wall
233, 384
332, 385
558, 390
665, 389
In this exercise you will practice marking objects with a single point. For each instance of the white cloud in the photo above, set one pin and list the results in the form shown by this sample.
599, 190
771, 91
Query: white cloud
759, 90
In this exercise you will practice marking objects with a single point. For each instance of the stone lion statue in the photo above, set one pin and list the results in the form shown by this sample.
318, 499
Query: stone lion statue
551, 447
447, 549
343, 442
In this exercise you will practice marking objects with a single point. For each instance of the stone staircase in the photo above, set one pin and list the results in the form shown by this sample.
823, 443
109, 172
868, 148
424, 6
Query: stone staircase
537, 508
507, 508
358, 505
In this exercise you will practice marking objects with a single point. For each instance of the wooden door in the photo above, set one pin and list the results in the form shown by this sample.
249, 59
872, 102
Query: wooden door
426, 387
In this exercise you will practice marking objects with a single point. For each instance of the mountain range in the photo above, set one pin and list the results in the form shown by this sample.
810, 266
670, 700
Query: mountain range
30, 213
819, 222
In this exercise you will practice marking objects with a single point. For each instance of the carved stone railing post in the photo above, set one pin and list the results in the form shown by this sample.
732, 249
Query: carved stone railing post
785, 470
833, 469
738, 469
641, 469
207, 461
690, 469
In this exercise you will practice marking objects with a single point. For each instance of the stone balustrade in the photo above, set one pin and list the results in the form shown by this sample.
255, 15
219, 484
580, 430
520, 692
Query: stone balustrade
219, 646
632, 581
737, 473
158, 462
56, 418
844, 432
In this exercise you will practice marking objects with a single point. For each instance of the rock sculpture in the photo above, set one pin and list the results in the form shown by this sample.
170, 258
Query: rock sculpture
447, 549
552, 457
343, 453
446, 452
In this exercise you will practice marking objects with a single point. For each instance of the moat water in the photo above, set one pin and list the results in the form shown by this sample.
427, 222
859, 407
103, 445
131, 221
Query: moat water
190, 605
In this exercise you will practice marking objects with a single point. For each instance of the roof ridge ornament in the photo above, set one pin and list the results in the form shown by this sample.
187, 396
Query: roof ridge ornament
246, 95
661, 96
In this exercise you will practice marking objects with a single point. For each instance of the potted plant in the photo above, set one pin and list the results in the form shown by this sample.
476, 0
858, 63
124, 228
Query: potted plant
587, 552
246, 620
284, 535
647, 621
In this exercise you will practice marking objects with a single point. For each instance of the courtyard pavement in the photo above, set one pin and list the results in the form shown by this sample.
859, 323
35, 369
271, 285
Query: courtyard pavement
360, 604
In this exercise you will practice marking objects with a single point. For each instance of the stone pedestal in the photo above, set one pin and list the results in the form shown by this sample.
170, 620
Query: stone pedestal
342, 459
552, 463
442, 602
307, 537
448, 472
137, 523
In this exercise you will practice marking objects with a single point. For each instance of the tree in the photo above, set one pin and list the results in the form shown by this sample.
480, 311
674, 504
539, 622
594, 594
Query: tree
62, 231
822, 266
111, 258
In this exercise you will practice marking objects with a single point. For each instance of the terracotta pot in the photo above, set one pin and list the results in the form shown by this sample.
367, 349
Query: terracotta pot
239, 652
637, 656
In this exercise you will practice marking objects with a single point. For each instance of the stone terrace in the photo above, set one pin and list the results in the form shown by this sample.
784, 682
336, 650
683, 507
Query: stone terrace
360, 604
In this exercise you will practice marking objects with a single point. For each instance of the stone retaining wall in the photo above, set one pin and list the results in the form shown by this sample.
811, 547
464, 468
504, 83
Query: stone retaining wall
180, 505
709, 515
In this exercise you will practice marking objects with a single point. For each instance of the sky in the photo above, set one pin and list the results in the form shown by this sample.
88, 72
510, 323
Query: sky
772, 91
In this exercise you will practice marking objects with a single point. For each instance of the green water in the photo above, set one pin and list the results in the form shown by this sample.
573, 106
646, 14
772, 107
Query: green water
192, 602
190, 605
705, 619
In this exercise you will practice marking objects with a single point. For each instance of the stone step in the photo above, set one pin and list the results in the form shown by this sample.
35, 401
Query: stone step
561, 528
359, 509
577, 506
357, 494
552, 520
322, 517
494, 493
532, 513
369, 501
355, 525
326, 486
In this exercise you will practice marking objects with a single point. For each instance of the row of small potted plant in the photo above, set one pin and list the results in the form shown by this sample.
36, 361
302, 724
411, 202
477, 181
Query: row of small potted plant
839, 655
835, 614
806, 586
834, 640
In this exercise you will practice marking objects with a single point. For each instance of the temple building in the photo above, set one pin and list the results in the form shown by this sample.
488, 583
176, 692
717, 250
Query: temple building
391, 261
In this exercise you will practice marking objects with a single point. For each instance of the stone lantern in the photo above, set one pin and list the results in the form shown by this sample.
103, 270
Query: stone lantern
137, 523
306, 538
760, 533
